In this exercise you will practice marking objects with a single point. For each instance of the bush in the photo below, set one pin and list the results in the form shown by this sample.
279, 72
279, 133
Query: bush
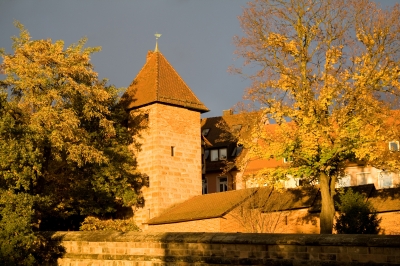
19, 243
356, 215
94, 224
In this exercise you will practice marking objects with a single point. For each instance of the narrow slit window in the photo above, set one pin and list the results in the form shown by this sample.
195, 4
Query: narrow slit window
394, 146
172, 151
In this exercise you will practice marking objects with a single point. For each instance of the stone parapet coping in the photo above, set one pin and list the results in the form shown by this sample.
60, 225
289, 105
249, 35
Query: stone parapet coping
230, 238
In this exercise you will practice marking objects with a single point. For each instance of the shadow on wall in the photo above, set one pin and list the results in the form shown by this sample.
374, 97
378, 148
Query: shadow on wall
272, 210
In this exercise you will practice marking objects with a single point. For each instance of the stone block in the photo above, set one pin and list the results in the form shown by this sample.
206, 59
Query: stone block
375, 258
232, 253
376, 250
277, 255
121, 251
343, 257
301, 256
256, 254
314, 255
357, 250
327, 256
314, 249
331, 249
391, 258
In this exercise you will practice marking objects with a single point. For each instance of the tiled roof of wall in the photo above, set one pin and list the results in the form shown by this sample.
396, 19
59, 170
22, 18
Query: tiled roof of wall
291, 199
158, 81
219, 204
203, 207
385, 200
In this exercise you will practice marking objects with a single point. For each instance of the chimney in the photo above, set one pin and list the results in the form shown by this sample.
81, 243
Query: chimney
227, 112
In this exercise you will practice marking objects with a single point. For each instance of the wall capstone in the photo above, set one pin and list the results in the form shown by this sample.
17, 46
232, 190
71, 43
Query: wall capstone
132, 248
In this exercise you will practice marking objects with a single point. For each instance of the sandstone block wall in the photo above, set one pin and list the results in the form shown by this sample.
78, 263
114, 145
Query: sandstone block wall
176, 177
293, 221
204, 225
113, 248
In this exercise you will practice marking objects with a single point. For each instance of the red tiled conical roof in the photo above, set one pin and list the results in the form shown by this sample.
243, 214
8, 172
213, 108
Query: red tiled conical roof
158, 82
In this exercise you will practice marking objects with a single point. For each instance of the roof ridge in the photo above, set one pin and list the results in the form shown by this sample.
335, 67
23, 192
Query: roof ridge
158, 74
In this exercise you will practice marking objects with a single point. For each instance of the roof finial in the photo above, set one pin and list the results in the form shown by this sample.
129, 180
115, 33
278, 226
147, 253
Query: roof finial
158, 35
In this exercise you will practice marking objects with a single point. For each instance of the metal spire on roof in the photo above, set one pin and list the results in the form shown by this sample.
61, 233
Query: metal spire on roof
158, 35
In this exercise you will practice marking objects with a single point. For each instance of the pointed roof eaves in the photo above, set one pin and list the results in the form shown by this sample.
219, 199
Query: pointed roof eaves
158, 82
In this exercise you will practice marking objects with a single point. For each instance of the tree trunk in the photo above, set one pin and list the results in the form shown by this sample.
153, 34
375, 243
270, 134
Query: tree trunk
327, 188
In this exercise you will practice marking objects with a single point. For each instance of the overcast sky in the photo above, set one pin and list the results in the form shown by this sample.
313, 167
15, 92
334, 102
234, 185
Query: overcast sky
196, 38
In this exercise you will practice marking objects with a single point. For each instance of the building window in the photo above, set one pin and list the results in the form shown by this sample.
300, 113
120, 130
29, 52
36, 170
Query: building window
204, 185
291, 182
394, 146
385, 179
222, 184
214, 155
205, 131
220, 154
287, 159
344, 181
364, 178
223, 154
237, 151
172, 151
206, 154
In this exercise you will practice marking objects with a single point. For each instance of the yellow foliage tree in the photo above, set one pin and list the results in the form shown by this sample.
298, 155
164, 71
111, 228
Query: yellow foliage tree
327, 72
63, 134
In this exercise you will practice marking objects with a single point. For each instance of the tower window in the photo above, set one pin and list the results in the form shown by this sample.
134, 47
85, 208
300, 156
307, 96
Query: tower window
394, 146
172, 151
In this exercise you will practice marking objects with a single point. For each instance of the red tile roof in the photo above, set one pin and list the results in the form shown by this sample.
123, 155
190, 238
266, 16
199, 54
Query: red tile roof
158, 82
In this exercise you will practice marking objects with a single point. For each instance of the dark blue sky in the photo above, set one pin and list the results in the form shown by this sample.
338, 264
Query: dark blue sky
196, 38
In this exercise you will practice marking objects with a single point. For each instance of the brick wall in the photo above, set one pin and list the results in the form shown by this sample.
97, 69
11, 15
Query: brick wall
113, 248
173, 179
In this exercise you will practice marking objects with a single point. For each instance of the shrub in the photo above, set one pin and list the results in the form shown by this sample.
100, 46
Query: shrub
356, 215
19, 243
94, 224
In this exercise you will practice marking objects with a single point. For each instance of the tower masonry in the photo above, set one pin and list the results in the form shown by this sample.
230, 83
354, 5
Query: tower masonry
171, 145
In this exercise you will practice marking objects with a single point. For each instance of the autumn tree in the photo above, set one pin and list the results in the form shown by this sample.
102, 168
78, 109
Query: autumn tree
63, 137
327, 73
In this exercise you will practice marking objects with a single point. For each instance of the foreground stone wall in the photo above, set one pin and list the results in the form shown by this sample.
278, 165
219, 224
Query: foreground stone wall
113, 248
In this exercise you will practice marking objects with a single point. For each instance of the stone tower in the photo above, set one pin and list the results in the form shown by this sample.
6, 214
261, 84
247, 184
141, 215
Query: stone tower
171, 146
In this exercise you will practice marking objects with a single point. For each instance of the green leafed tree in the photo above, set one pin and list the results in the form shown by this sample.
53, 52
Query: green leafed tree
327, 72
64, 138
357, 216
